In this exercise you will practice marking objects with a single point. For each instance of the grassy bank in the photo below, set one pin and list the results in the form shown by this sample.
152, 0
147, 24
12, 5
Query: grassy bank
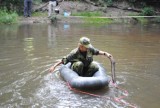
8, 17
90, 17
85, 17
39, 14
88, 14
98, 20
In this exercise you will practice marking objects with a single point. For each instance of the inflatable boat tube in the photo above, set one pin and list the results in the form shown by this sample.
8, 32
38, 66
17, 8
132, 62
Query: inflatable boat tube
99, 80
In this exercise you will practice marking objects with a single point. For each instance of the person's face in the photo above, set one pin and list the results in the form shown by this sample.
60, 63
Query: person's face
82, 48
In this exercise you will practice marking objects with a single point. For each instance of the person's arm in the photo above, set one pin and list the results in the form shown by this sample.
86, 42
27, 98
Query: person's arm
52, 68
71, 56
105, 54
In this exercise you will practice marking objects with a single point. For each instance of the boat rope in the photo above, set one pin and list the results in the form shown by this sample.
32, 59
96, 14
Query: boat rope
115, 99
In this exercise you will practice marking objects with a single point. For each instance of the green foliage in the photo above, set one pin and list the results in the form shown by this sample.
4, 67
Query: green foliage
8, 17
148, 11
109, 2
12, 5
88, 14
133, 14
15, 5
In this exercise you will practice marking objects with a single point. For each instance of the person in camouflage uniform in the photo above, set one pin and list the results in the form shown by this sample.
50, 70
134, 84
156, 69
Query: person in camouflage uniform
81, 58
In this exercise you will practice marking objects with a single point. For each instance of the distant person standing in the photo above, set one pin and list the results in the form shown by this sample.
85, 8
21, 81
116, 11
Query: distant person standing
27, 8
52, 4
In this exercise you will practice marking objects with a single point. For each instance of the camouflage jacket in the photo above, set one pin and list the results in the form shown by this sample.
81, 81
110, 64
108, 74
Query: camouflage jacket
76, 55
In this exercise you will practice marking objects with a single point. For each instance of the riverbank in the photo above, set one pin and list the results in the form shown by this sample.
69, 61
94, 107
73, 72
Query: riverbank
81, 12
82, 19
120, 12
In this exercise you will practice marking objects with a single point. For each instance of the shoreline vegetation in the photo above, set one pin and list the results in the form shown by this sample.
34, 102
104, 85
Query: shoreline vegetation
146, 15
87, 17
8, 17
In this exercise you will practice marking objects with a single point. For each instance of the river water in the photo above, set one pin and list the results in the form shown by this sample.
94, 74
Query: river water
28, 50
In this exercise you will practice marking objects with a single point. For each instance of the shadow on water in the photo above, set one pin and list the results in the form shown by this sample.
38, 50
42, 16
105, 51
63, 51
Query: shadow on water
27, 51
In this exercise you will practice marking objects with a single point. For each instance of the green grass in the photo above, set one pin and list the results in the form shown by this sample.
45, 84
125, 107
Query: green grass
90, 17
8, 17
98, 20
88, 14
39, 14
133, 14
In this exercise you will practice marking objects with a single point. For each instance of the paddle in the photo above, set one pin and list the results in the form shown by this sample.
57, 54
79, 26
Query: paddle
113, 69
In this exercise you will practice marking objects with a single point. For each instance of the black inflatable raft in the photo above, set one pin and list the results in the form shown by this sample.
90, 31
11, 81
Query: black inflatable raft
99, 80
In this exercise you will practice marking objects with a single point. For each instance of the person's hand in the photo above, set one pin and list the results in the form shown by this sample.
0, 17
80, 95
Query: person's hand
52, 69
55, 65
109, 55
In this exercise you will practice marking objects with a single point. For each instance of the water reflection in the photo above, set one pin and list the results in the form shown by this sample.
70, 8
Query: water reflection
8, 33
27, 51
52, 42
66, 26
26, 30
28, 46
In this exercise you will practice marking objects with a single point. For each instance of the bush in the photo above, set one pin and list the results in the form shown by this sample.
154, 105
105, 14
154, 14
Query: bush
8, 17
148, 11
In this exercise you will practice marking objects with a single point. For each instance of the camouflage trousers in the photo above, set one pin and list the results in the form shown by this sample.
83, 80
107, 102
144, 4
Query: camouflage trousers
84, 71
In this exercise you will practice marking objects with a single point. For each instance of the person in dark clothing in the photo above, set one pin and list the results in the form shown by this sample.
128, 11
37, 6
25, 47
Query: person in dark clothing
27, 8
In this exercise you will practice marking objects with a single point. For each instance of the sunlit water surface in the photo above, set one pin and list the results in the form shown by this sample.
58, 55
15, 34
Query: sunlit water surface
27, 51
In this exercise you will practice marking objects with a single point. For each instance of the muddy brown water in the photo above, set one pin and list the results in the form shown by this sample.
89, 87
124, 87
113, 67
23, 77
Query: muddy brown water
28, 50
